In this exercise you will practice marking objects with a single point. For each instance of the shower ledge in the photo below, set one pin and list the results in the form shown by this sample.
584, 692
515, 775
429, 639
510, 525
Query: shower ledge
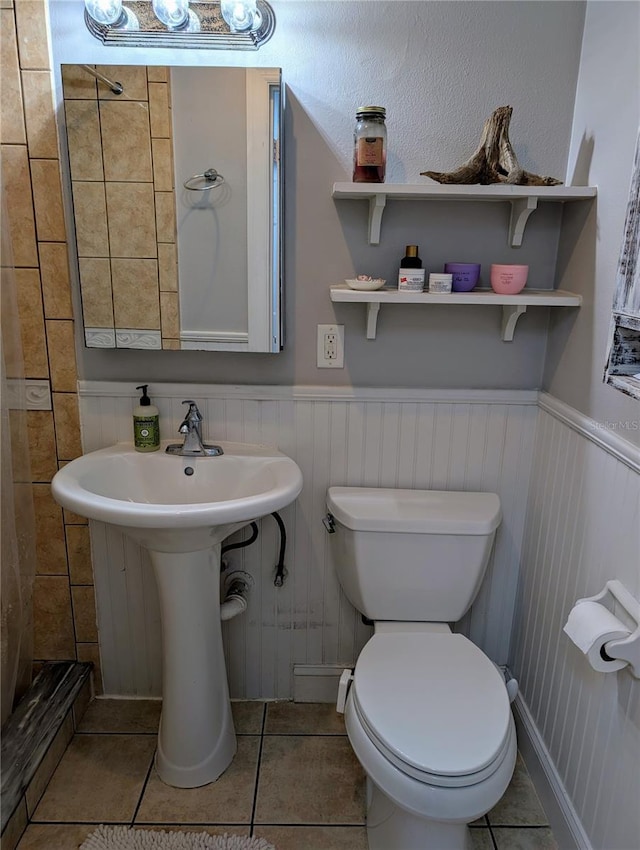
29, 731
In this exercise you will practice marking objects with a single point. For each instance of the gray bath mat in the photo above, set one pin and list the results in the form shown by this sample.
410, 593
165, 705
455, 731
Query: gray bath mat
123, 838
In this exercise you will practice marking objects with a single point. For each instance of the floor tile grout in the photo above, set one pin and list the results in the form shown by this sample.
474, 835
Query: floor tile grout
312, 825
145, 824
519, 826
255, 790
492, 837
304, 735
144, 788
82, 732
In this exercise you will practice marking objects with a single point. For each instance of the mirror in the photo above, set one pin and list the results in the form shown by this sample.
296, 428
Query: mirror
176, 187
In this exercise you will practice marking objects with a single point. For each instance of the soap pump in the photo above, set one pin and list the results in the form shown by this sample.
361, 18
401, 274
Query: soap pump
146, 424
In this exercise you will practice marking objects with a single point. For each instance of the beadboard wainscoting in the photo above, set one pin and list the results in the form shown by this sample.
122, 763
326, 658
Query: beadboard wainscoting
473, 440
582, 529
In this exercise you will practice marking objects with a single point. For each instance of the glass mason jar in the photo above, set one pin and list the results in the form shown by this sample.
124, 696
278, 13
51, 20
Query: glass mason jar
370, 145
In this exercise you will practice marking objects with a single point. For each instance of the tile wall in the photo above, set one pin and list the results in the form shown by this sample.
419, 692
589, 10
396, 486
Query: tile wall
64, 607
121, 162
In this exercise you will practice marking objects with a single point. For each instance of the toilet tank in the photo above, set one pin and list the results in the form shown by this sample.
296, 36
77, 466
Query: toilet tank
413, 555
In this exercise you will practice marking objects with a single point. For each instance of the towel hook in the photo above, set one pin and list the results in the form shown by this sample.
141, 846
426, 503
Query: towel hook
211, 177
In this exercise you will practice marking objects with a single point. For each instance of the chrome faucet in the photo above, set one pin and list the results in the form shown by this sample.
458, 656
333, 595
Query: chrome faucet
191, 427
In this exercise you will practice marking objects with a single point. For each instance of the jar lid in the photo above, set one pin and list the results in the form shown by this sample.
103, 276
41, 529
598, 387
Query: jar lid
377, 110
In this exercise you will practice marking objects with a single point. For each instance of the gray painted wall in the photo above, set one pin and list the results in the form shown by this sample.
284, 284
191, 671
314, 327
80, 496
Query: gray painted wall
606, 121
440, 68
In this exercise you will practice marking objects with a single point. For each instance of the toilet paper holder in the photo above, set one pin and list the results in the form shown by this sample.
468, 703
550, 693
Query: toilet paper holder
627, 649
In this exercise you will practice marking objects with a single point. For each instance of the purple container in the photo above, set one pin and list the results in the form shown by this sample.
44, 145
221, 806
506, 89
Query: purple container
465, 275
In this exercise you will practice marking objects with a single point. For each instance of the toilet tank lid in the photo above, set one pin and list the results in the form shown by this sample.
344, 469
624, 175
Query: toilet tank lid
416, 511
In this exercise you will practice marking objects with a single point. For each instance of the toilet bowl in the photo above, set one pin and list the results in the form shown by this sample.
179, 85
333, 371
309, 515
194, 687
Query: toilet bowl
428, 718
427, 712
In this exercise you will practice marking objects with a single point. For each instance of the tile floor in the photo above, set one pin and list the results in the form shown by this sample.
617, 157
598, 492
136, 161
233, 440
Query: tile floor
294, 781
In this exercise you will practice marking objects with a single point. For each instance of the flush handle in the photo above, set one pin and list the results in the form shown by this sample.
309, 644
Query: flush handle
329, 523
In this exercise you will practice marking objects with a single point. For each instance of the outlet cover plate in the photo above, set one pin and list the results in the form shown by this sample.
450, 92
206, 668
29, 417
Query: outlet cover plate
330, 347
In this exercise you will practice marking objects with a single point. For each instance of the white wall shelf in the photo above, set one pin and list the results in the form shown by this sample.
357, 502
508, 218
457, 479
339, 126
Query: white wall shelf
513, 306
523, 199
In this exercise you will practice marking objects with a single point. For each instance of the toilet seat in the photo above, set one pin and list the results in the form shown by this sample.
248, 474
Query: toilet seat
422, 799
434, 705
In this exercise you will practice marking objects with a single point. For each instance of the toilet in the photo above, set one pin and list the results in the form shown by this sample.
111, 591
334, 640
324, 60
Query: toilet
426, 711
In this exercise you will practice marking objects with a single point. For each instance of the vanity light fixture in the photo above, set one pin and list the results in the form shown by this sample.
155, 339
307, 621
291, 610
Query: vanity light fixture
218, 24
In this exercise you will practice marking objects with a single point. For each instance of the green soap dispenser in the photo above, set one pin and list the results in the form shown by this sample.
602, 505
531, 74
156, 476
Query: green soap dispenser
146, 424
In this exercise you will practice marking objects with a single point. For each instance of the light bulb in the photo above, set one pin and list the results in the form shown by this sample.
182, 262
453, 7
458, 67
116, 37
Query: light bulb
174, 14
105, 12
241, 15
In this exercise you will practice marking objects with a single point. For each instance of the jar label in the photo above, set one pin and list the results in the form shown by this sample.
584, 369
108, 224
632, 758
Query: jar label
370, 151
411, 280
440, 282
146, 431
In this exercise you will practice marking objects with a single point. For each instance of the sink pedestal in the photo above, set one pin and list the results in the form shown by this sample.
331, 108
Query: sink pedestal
196, 741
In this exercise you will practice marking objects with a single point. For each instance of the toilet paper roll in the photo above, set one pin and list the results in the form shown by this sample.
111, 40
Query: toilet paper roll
590, 626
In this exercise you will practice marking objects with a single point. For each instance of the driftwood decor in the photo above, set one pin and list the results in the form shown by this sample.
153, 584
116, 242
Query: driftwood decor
495, 160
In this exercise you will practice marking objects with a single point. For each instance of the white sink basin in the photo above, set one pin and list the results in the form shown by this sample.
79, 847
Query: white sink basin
170, 503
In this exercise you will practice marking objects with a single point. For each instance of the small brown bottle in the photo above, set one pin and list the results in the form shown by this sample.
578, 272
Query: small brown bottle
411, 260
411, 274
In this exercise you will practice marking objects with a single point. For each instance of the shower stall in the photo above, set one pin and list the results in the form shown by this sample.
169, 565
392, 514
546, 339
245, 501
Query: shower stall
17, 535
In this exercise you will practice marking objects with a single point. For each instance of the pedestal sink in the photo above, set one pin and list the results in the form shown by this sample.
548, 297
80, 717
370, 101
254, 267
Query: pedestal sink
181, 509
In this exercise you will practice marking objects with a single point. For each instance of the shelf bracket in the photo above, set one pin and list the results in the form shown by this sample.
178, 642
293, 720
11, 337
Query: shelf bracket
373, 308
510, 316
377, 204
521, 209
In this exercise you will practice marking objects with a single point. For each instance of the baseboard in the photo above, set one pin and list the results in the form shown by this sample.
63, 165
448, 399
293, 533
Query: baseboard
316, 682
563, 818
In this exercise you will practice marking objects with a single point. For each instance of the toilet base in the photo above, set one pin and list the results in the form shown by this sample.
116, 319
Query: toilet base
389, 826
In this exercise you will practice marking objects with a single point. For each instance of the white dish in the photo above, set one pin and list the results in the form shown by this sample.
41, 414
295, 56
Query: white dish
376, 283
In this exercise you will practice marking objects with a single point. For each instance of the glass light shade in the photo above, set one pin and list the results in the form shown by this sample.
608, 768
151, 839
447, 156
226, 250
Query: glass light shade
106, 12
172, 13
241, 15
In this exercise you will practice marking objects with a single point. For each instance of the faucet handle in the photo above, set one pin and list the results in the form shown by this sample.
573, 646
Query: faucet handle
193, 413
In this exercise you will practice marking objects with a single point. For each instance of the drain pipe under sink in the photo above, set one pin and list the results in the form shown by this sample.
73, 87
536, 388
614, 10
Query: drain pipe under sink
236, 590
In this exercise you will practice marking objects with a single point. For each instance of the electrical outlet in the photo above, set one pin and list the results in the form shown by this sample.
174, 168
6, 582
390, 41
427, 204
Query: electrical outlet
330, 346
